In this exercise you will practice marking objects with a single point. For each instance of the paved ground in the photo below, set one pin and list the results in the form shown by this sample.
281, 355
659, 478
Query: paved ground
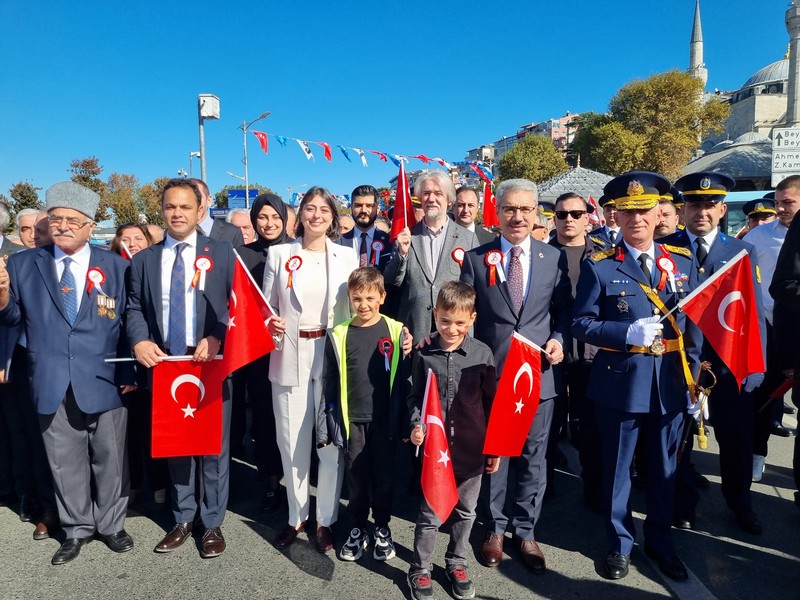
725, 562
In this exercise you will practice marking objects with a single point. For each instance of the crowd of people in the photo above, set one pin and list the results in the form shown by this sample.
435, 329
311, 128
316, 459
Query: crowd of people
360, 320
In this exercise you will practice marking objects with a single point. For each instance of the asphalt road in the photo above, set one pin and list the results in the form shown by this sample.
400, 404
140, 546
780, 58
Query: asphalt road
725, 563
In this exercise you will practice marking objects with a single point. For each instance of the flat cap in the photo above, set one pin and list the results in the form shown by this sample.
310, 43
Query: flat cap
68, 194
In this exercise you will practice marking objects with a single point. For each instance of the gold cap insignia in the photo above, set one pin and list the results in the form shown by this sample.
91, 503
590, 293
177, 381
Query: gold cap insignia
635, 188
705, 183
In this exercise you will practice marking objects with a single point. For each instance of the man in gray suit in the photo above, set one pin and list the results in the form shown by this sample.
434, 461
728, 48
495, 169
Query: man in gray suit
429, 254
216, 229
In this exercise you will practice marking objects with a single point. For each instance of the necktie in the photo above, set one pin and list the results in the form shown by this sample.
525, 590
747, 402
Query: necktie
177, 305
645, 268
702, 250
612, 235
68, 292
362, 251
515, 278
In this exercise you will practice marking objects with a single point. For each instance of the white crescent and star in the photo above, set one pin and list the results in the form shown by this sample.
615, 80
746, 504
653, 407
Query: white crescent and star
735, 296
188, 411
525, 369
444, 457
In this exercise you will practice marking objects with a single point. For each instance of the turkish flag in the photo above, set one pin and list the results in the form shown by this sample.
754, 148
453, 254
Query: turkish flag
187, 408
124, 251
438, 481
594, 216
326, 148
489, 206
248, 337
262, 139
724, 308
403, 213
516, 400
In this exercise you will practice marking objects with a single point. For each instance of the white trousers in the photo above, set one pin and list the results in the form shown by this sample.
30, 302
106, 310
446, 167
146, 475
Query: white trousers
295, 424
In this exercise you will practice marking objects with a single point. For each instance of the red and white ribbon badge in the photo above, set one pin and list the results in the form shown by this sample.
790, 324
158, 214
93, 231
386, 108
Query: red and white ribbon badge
667, 267
377, 248
96, 278
458, 256
386, 347
202, 265
494, 258
292, 265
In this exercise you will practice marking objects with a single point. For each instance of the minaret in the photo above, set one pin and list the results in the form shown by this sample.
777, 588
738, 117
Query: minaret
793, 102
696, 65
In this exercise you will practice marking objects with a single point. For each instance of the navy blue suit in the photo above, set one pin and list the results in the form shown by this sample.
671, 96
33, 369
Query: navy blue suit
380, 261
633, 390
730, 410
144, 322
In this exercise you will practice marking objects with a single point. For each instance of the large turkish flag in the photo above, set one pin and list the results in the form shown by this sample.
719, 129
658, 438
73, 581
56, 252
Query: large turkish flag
187, 408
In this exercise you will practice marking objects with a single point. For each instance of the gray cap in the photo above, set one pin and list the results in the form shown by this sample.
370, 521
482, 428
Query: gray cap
68, 194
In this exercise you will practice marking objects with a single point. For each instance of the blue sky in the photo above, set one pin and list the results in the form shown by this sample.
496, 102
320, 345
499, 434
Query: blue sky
120, 80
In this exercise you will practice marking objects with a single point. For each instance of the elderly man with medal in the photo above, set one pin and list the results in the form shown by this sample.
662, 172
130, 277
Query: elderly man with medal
641, 378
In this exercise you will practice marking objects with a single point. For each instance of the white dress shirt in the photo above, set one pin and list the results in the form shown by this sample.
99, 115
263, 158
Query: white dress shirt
79, 268
357, 241
167, 259
206, 224
767, 239
651, 256
710, 237
524, 258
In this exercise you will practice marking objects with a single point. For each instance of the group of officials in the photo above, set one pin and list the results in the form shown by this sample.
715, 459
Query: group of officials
597, 304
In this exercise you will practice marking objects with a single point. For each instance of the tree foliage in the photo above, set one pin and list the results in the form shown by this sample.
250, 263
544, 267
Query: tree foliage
121, 198
86, 172
150, 200
221, 197
533, 158
24, 195
657, 124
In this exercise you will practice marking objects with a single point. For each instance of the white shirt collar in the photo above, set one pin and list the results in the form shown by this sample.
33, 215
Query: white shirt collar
170, 242
505, 245
709, 237
651, 251
370, 232
81, 257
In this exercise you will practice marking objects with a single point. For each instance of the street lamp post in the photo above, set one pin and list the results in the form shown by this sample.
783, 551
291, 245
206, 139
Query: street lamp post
244, 127
207, 108
191, 156
294, 187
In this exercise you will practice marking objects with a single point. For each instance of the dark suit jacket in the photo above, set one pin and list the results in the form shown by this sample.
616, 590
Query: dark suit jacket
546, 314
484, 236
785, 288
144, 319
8, 247
225, 232
379, 261
60, 354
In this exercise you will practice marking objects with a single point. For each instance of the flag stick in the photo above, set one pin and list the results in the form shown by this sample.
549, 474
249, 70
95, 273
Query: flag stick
162, 358
425, 403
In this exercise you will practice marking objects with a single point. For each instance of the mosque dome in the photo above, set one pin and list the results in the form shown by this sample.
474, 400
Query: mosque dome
751, 137
776, 72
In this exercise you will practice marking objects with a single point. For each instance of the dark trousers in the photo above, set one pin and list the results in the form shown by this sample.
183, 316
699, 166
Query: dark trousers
768, 411
141, 464
588, 438
259, 394
369, 466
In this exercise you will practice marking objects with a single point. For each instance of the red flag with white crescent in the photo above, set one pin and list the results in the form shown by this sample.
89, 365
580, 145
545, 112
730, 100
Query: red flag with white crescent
724, 308
438, 481
403, 213
262, 139
187, 408
516, 400
489, 207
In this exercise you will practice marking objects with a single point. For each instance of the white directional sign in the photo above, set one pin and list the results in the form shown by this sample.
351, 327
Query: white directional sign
786, 138
785, 153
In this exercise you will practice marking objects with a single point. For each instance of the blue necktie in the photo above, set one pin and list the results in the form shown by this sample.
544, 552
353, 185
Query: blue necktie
177, 305
68, 292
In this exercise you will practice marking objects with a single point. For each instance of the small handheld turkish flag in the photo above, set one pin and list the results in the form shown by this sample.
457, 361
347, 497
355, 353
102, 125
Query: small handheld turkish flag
403, 213
489, 206
516, 400
438, 481
187, 408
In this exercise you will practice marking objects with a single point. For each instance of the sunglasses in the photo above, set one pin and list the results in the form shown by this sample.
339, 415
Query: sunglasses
575, 214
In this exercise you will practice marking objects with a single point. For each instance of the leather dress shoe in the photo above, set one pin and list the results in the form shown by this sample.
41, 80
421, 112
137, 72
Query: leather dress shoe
682, 523
532, 556
748, 521
118, 542
46, 526
213, 543
492, 549
288, 535
671, 566
782, 431
788, 410
175, 538
324, 539
272, 501
616, 565
28, 509
69, 550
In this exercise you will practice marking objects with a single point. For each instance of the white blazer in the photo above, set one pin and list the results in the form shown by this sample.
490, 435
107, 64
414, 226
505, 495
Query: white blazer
288, 301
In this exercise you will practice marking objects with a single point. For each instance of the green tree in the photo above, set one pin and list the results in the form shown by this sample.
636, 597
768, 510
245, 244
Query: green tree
24, 195
150, 200
533, 158
616, 150
221, 197
86, 172
121, 198
585, 138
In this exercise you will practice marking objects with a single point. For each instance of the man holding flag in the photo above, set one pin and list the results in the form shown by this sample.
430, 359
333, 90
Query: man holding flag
178, 306
641, 374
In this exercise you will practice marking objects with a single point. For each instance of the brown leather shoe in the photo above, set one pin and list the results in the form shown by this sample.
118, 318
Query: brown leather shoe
213, 543
532, 555
324, 538
492, 550
175, 538
46, 526
289, 535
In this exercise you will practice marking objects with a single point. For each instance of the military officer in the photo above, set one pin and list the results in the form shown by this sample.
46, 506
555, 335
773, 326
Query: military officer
623, 295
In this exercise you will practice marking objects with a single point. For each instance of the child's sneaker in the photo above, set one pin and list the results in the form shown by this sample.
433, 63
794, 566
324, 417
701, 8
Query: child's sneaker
384, 546
355, 545
460, 582
419, 582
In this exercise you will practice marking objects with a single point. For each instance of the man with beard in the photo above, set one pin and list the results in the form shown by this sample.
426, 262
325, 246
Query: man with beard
370, 243
667, 217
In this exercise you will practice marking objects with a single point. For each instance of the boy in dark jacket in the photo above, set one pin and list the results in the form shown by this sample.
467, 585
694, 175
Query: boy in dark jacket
362, 407
465, 372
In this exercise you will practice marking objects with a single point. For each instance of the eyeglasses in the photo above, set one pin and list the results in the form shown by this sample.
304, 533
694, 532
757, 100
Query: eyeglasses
575, 214
510, 210
72, 222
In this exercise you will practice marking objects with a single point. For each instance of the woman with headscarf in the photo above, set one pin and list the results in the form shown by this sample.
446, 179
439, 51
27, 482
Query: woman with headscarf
268, 215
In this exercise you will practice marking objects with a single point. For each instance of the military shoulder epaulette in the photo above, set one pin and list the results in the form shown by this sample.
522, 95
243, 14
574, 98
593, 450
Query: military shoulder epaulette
601, 254
679, 250
598, 241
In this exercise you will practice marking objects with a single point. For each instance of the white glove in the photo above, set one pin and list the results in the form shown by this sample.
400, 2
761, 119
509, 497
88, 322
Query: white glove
643, 332
751, 382
701, 406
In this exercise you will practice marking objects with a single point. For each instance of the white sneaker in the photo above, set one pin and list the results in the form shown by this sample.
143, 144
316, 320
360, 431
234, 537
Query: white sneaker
758, 466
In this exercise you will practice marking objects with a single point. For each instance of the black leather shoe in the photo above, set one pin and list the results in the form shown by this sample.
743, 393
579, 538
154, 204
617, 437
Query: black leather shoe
28, 509
671, 566
682, 523
749, 522
782, 431
788, 410
118, 542
69, 550
616, 565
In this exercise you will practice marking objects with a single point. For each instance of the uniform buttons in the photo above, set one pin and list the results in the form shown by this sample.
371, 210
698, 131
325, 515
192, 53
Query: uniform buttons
72, 357
701, 270
655, 311
622, 293
608, 367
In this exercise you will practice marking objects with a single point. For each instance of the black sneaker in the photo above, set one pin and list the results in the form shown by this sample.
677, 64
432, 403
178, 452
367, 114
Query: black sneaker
460, 582
355, 545
419, 582
384, 546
